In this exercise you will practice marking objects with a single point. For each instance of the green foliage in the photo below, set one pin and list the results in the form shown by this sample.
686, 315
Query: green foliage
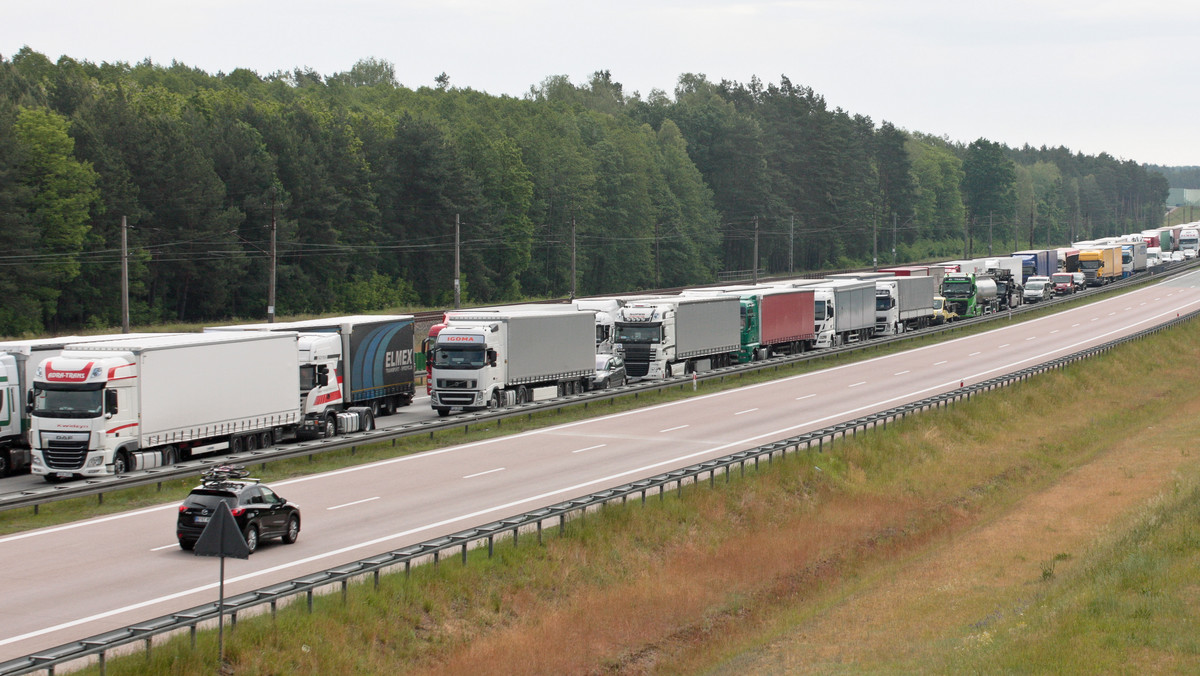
360, 178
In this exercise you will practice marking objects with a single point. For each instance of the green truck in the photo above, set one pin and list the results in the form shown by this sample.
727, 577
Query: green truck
970, 295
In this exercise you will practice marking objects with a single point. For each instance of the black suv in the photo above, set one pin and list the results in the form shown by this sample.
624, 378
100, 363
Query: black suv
259, 512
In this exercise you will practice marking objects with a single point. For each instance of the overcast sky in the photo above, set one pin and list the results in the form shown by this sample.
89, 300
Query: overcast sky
1096, 76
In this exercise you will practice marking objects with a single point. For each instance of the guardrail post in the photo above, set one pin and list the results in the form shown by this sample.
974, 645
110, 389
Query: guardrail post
516, 534
490, 546
310, 599
464, 553
345, 590
539, 532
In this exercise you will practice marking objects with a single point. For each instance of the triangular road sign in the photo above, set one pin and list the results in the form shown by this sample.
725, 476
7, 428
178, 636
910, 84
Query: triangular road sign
222, 537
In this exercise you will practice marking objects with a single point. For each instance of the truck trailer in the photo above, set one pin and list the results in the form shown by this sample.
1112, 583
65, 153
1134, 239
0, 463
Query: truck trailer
774, 320
1037, 262
903, 304
662, 337
110, 407
494, 359
1101, 264
844, 309
372, 357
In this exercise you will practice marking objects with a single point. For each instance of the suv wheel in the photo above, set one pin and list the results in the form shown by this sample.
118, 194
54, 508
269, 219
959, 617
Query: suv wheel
293, 530
251, 537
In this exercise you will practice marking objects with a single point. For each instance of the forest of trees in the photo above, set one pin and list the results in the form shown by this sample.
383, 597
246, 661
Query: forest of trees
363, 179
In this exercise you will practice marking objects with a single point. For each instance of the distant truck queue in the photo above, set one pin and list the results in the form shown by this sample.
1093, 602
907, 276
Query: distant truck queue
81, 406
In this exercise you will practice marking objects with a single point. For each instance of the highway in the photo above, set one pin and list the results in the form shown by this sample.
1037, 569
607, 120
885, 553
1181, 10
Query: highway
68, 582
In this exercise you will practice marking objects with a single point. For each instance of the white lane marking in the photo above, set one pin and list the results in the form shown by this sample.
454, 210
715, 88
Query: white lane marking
861, 382
638, 471
895, 374
939, 363
1095, 319
1054, 331
351, 504
749, 410
159, 549
590, 448
472, 476
973, 354
672, 429
1111, 314
1004, 345
1074, 325
1031, 338
810, 396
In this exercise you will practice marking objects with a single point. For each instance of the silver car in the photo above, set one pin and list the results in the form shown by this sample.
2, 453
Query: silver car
610, 372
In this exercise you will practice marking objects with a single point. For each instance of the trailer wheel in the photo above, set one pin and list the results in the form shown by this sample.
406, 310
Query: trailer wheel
266, 439
5, 464
522, 394
252, 442
236, 444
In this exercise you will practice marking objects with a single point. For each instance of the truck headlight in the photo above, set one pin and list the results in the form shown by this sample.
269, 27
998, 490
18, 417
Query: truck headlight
95, 461
37, 460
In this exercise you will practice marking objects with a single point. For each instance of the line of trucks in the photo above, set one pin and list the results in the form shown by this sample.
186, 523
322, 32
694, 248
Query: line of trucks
102, 405
98, 405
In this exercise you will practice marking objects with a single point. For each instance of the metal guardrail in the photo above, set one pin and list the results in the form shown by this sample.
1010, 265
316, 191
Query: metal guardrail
432, 550
98, 486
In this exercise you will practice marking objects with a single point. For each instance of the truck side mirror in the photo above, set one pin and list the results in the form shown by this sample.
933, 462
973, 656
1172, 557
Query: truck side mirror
491, 356
29, 401
322, 376
110, 401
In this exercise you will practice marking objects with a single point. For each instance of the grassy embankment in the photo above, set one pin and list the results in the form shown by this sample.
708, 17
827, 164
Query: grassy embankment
1048, 527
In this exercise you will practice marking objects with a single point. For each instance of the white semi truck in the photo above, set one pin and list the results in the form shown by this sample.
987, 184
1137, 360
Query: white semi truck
489, 359
110, 407
903, 304
665, 336
19, 360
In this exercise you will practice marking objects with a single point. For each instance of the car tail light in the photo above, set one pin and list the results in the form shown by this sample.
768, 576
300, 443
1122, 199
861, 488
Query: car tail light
238, 511
183, 508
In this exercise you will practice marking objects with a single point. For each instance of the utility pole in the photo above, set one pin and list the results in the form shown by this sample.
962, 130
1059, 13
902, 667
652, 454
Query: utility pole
893, 238
124, 275
457, 286
989, 233
875, 243
274, 264
573, 258
1032, 220
792, 246
755, 261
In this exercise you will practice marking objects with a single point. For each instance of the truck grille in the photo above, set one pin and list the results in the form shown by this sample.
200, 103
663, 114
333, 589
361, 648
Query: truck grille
451, 384
637, 359
62, 454
456, 398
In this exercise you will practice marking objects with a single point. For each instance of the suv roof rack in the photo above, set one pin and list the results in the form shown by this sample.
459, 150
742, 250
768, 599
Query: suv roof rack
224, 476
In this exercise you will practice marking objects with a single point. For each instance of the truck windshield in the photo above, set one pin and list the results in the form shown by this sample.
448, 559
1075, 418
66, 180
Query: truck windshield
883, 303
639, 333
459, 358
68, 403
1089, 265
957, 289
